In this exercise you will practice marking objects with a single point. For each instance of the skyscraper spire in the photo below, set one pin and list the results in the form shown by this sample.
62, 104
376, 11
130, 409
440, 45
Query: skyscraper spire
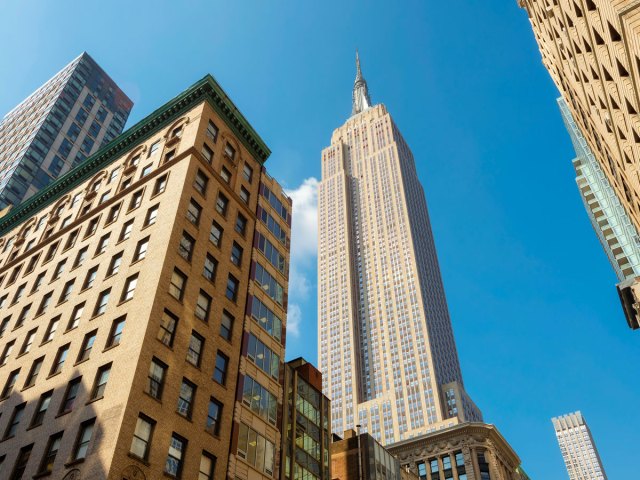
360, 96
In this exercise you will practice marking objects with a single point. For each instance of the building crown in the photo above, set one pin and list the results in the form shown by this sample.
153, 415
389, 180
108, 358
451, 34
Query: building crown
360, 95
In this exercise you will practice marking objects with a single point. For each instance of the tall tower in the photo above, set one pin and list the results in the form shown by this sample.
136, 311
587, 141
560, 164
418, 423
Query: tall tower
591, 51
578, 448
58, 126
385, 342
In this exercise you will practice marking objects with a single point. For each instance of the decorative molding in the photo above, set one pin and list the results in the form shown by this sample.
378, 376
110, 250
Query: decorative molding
206, 89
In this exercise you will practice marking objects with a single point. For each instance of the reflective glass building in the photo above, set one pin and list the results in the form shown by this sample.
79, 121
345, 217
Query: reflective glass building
58, 126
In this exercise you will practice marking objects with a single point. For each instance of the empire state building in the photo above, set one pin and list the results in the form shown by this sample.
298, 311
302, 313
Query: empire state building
385, 341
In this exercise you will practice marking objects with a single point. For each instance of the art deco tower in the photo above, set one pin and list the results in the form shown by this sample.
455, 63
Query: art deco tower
387, 351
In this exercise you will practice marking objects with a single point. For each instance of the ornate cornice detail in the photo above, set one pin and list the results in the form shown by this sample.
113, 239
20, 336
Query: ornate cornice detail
206, 89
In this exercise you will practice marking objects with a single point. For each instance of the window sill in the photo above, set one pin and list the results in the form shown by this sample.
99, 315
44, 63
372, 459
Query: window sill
93, 400
110, 347
141, 460
74, 462
42, 474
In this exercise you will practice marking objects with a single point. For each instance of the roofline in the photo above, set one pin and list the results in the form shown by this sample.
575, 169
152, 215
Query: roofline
206, 89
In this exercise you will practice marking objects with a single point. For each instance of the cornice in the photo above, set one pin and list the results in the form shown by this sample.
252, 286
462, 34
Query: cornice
207, 89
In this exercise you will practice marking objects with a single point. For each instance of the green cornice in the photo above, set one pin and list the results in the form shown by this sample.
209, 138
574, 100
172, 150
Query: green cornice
206, 89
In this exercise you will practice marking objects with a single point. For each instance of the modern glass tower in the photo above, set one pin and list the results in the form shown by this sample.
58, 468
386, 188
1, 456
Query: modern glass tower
386, 346
58, 126
578, 448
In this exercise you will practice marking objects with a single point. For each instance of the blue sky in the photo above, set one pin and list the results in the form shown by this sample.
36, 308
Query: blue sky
538, 324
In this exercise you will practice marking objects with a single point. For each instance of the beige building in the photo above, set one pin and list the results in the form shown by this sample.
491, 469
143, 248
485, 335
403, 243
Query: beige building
471, 451
578, 448
142, 306
385, 341
592, 51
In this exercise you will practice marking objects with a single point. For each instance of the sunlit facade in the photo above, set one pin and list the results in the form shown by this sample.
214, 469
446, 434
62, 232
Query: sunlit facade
386, 345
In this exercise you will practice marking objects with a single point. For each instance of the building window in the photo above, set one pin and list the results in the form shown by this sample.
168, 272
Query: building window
175, 457
80, 258
61, 356
90, 278
178, 284
157, 371
84, 438
225, 174
212, 131
23, 316
269, 284
129, 288
168, 325
103, 244
260, 400
203, 306
169, 155
247, 172
70, 395
87, 345
216, 234
21, 462
152, 215
28, 341
241, 224
91, 227
44, 304
136, 200
236, 254
207, 466
185, 398
154, 148
141, 440
100, 385
221, 204
6, 352
214, 416
59, 269
101, 304
115, 335
10, 383
146, 171
232, 288
113, 213
266, 318
114, 265
207, 153
255, 449
220, 372
193, 212
41, 409
38, 282
71, 239
49, 457
263, 357
226, 325
210, 267
201, 182
125, 233
244, 194
229, 152
187, 244
141, 249
74, 321
33, 373
51, 329
194, 353
160, 185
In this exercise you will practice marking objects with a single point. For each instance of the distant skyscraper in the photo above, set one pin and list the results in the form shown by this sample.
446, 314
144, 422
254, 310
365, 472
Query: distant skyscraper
591, 50
58, 126
578, 448
385, 342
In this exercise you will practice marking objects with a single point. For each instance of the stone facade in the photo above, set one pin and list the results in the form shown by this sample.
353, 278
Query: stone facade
592, 51
128, 286
471, 451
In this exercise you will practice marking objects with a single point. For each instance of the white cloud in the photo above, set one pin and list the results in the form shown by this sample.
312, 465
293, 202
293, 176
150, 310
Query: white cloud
294, 318
299, 285
304, 225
